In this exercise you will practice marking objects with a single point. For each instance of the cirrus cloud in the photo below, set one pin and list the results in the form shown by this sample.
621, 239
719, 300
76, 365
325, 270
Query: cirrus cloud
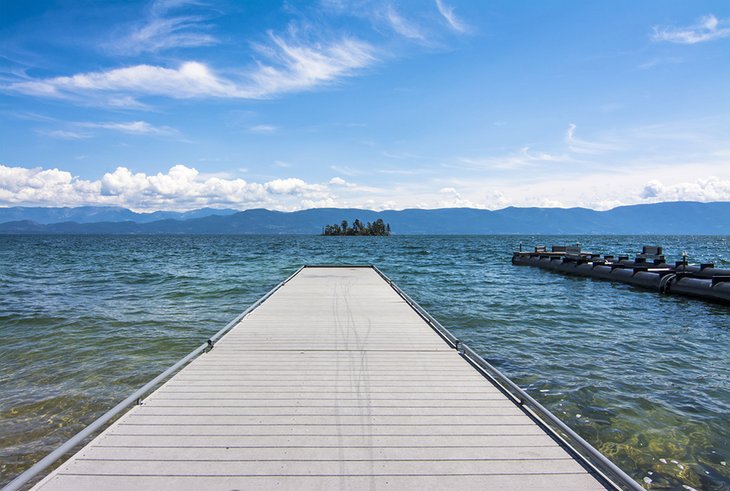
706, 28
133, 127
190, 79
161, 29
285, 66
403, 26
448, 14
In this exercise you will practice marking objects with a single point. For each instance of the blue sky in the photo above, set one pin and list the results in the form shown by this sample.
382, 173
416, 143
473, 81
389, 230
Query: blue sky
176, 104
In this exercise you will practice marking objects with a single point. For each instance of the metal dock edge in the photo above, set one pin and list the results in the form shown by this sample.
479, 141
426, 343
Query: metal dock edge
578, 446
335, 379
134, 398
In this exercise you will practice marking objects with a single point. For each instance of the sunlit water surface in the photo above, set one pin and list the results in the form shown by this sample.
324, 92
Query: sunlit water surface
643, 377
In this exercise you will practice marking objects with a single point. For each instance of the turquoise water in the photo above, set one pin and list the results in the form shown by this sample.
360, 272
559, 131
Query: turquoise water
643, 377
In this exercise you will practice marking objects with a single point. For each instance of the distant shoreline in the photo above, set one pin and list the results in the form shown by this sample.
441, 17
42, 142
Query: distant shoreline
677, 218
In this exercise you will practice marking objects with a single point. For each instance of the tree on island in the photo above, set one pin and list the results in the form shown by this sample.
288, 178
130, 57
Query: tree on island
378, 227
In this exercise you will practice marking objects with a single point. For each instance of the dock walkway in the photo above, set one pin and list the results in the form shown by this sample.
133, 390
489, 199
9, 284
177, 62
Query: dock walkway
333, 382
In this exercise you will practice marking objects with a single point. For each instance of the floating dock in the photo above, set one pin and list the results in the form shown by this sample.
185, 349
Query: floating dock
649, 269
336, 380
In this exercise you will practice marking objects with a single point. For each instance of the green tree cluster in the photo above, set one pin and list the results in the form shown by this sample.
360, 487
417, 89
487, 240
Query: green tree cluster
378, 227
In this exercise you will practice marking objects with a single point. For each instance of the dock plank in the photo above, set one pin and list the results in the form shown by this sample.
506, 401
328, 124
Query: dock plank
145, 441
547, 482
315, 467
334, 382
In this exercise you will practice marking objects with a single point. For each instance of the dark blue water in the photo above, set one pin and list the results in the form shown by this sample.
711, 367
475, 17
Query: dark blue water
643, 377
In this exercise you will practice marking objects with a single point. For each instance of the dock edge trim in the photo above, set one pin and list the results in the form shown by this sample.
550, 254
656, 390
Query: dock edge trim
599, 463
75, 440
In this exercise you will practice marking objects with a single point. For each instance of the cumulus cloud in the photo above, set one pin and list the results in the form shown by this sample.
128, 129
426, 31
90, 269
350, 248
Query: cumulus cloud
43, 186
338, 181
451, 198
296, 187
496, 200
706, 28
181, 187
710, 189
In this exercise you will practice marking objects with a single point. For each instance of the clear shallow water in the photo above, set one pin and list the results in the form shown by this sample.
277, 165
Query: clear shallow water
645, 378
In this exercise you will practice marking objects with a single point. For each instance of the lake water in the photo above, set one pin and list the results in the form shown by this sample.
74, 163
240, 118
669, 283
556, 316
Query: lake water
643, 377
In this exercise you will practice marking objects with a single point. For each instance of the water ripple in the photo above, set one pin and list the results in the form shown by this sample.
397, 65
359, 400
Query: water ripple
643, 377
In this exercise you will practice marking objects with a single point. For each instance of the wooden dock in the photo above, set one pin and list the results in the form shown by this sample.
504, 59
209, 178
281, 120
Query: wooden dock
333, 382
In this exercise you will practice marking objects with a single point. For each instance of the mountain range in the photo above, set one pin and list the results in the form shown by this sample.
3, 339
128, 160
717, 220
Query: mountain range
94, 214
688, 218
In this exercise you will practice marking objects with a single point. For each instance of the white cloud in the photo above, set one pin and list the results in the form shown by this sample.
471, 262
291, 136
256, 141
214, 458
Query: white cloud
401, 155
190, 79
162, 34
286, 66
338, 181
589, 147
639, 180
601, 174
346, 171
402, 26
451, 18
161, 31
43, 186
710, 189
451, 198
301, 58
263, 129
125, 102
706, 28
496, 200
122, 181
406, 172
659, 61
295, 186
179, 188
130, 127
298, 66
133, 127
522, 158
65, 134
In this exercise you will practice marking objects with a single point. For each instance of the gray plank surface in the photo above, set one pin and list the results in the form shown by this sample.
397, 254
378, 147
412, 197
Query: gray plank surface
334, 382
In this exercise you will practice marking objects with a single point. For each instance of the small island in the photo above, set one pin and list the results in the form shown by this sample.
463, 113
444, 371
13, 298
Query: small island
378, 227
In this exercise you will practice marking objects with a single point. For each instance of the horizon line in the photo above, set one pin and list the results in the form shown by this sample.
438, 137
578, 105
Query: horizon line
110, 207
